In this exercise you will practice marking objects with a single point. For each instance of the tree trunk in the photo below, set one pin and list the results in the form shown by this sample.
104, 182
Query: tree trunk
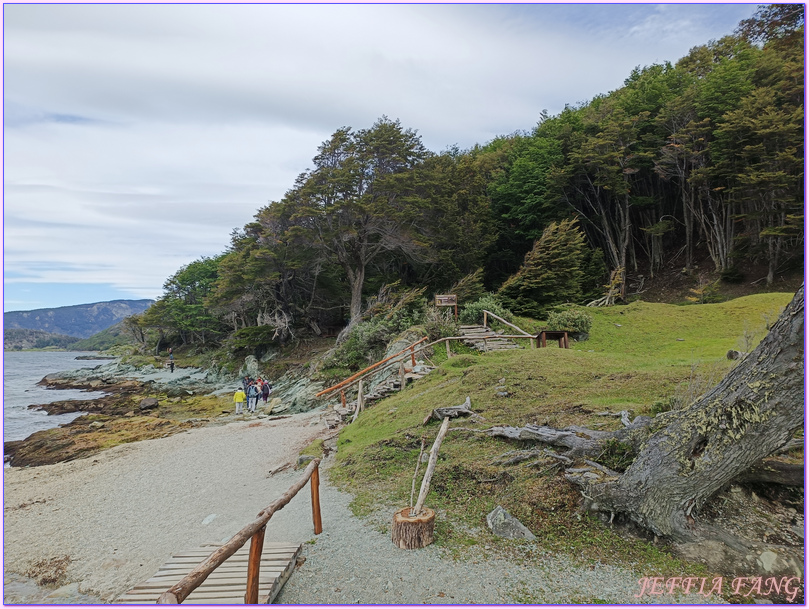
356, 279
693, 452
687, 455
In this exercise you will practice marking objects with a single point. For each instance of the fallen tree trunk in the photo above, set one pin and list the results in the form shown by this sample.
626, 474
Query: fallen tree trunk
695, 451
686, 456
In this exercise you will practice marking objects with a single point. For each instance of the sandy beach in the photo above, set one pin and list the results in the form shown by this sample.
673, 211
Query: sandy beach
118, 515
114, 518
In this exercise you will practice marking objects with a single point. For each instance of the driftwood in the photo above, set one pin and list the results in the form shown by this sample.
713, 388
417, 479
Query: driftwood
413, 527
428, 475
450, 411
416, 473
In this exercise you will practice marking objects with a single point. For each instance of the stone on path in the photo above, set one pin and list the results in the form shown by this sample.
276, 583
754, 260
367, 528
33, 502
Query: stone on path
505, 525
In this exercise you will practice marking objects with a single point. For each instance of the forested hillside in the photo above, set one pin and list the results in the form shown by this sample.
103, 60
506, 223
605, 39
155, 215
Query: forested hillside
694, 167
75, 321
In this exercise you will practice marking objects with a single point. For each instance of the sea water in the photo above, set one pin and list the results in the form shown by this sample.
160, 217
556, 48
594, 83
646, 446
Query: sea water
22, 370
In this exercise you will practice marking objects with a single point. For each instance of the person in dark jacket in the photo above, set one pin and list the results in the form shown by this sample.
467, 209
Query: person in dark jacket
252, 397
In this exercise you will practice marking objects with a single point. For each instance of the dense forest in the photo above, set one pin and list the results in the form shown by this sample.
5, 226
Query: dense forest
697, 161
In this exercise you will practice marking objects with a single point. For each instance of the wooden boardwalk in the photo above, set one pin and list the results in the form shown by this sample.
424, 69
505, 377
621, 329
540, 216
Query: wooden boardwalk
227, 584
485, 339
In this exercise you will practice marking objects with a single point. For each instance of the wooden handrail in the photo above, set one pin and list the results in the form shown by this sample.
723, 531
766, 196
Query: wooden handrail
355, 379
501, 320
253, 531
369, 369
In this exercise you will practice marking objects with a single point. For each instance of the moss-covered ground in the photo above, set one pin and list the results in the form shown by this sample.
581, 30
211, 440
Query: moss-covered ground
637, 357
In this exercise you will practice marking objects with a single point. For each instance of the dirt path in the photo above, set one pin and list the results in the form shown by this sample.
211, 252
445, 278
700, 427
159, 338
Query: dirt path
107, 522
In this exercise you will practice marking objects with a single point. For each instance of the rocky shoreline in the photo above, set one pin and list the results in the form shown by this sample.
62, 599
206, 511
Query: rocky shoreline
145, 402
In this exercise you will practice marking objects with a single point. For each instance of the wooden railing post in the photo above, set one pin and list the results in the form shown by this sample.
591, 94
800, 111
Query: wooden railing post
343, 398
401, 376
449, 352
413, 355
485, 319
254, 566
314, 481
179, 591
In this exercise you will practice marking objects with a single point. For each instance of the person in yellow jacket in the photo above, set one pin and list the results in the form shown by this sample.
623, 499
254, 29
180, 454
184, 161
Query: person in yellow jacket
239, 398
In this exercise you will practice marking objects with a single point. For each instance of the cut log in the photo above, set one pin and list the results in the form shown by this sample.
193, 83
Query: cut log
413, 532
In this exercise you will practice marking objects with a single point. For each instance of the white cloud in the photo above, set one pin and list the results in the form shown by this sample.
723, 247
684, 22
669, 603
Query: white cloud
138, 136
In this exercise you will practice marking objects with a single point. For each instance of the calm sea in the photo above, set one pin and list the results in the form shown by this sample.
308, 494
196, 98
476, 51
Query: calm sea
22, 370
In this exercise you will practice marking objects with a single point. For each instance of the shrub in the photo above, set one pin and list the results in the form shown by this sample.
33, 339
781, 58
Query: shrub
473, 312
440, 322
572, 320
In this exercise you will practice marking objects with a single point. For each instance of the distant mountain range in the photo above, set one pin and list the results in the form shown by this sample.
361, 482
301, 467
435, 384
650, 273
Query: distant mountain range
81, 321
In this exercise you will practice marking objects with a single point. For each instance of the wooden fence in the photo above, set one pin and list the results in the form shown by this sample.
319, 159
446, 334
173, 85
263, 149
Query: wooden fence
397, 359
255, 533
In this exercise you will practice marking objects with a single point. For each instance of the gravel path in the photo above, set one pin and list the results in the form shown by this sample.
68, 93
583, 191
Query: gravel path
119, 515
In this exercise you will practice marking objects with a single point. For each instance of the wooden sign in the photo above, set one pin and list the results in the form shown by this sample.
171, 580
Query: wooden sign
446, 300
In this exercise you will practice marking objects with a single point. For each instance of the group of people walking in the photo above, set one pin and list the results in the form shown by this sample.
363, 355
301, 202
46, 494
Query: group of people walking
251, 392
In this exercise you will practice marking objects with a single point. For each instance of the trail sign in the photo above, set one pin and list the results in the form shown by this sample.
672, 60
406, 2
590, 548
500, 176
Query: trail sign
446, 300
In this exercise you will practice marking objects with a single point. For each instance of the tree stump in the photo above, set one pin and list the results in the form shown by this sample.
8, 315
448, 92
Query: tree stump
412, 532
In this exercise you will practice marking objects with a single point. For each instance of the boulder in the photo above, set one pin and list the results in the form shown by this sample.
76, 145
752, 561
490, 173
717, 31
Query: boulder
250, 367
505, 525
275, 405
149, 404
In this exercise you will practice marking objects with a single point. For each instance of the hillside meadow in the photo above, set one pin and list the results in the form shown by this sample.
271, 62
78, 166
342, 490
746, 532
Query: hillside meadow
642, 357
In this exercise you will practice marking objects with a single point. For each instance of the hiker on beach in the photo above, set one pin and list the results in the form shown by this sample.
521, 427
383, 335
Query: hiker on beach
171, 364
266, 389
239, 398
252, 397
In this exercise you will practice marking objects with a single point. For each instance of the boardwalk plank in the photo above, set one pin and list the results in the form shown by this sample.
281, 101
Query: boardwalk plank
227, 584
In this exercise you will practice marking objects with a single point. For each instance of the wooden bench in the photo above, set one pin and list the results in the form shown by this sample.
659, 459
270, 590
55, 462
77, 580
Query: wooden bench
558, 335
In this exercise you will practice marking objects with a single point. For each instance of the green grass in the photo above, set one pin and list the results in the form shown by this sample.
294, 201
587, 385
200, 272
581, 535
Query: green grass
632, 361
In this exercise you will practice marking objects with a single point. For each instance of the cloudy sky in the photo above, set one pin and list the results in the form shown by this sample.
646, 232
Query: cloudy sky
137, 137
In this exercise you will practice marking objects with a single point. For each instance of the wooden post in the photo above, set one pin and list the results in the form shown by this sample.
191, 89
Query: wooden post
343, 397
413, 528
314, 481
428, 475
449, 352
485, 346
359, 403
253, 566
413, 356
401, 375
179, 591
360, 397
485, 319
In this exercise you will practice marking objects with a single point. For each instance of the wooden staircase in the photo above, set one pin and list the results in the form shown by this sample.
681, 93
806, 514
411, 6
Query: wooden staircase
338, 414
485, 339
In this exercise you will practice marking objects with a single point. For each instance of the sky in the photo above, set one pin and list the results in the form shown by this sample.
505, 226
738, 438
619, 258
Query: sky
136, 138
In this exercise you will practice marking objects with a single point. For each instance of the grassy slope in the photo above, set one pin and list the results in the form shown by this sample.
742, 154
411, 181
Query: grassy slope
632, 359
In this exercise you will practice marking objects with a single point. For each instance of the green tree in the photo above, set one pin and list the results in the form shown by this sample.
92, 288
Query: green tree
183, 302
551, 274
359, 200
